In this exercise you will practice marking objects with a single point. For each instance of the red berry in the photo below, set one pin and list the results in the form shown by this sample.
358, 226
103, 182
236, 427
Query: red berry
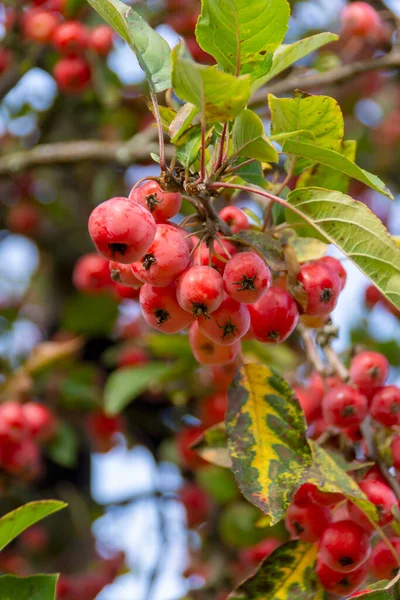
6, 58
213, 409
14, 425
369, 369
274, 316
340, 583
381, 496
132, 356
235, 218
184, 440
309, 493
385, 406
335, 264
255, 554
72, 74
161, 310
41, 422
344, 406
162, 205
101, 39
200, 290
360, 19
246, 277
91, 273
372, 296
309, 402
307, 523
165, 259
227, 324
223, 375
382, 562
71, 36
121, 230
21, 458
123, 274
322, 286
207, 352
23, 218
196, 503
39, 25
344, 546
102, 428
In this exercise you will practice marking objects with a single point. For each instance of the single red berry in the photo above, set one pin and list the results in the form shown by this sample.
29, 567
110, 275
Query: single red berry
121, 230
165, 259
72, 74
213, 409
369, 369
274, 316
385, 406
344, 406
395, 447
23, 218
162, 205
307, 523
21, 458
372, 296
184, 440
322, 286
340, 583
101, 39
132, 356
71, 36
360, 19
335, 264
246, 277
102, 428
161, 310
39, 25
227, 324
207, 352
344, 546
382, 562
91, 273
309, 493
41, 422
222, 248
309, 402
253, 555
196, 503
123, 274
381, 495
200, 291
14, 425
235, 218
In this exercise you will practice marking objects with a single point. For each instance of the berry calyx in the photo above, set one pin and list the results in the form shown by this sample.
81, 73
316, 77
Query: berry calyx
369, 369
322, 286
162, 205
227, 324
246, 277
274, 316
344, 406
200, 291
340, 583
344, 546
161, 310
123, 274
307, 523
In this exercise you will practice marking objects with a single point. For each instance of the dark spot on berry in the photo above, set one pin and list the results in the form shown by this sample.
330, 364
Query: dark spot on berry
208, 348
373, 372
348, 411
345, 561
118, 249
344, 582
394, 408
228, 330
298, 527
200, 310
148, 260
273, 335
326, 295
161, 315
152, 201
247, 283
115, 275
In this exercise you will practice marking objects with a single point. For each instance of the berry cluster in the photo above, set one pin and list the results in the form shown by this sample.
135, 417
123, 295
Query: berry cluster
220, 290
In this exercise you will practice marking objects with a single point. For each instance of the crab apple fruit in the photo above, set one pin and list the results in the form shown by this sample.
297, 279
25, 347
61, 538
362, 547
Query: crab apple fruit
101, 429
71, 36
40, 25
200, 291
132, 356
309, 402
274, 316
21, 458
308, 493
381, 495
184, 440
335, 264
344, 406
382, 562
344, 546
385, 406
235, 218
101, 39
246, 277
307, 523
322, 286
340, 583
121, 229
213, 409
162, 205
196, 503
227, 324
369, 369
360, 19
23, 218
72, 74
123, 274
207, 352
40, 420
372, 296
165, 259
91, 273
202, 254
161, 310
13, 423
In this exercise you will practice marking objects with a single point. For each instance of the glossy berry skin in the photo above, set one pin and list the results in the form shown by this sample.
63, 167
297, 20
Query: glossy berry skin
246, 277
161, 310
382, 562
213, 409
121, 230
381, 495
307, 523
235, 218
360, 19
369, 369
339, 583
162, 205
165, 259
227, 324
274, 316
39, 25
344, 546
308, 493
71, 36
385, 406
335, 264
123, 274
72, 74
200, 291
344, 406
207, 352
41, 423
184, 440
322, 286
101, 39
91, 273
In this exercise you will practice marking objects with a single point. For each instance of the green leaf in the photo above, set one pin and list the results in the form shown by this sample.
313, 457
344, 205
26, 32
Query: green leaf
15, 522
337, 161
383, 590
266, 246
249, 140
182, 121
36, 587
266, 439
324, 176
288, 54
124, 385
355, 230
63, 450
251, 173
242, 35
212, 446
152, 51
188, 146
225, 96
289, 572
89, 316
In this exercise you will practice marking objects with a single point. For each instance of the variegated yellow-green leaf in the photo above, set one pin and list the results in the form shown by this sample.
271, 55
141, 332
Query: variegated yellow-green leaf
287, 574
212, 446
266, 439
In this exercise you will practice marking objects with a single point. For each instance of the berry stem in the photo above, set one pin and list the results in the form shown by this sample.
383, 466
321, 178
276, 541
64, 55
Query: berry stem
311, 349
203, 139
335, 362
221, 147
163, 164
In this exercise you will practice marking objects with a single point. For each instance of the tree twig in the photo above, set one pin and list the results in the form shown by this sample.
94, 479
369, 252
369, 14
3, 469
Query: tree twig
311, 349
